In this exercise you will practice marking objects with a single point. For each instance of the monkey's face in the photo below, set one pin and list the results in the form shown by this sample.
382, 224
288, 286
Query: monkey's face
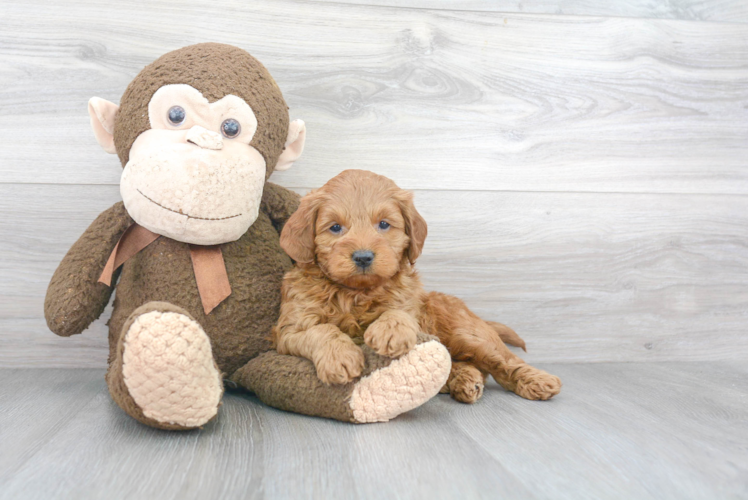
193, 176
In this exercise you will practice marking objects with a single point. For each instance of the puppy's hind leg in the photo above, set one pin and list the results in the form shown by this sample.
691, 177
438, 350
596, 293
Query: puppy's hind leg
509, 370
465, 383
469, 338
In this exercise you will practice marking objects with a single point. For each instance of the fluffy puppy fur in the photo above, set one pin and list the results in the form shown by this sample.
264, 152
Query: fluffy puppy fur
355, 241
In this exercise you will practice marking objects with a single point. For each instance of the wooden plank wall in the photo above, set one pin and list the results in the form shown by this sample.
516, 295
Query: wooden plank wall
582, 164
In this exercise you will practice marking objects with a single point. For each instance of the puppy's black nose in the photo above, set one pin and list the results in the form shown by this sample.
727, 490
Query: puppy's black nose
363, 258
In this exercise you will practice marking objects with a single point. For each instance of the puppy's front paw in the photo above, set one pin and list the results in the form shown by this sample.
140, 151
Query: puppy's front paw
393, 334
339, 363
536, 384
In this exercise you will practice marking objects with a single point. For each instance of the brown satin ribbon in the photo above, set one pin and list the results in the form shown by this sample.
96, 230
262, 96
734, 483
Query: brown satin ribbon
133, 240
207, 263
210, 274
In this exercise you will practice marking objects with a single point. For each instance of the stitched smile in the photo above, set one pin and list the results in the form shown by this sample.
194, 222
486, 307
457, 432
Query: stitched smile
186, 215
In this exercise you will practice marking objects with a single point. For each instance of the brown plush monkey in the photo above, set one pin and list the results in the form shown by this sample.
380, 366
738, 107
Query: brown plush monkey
195, 244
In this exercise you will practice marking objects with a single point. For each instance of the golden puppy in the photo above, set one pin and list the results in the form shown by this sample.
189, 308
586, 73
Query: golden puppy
355, 241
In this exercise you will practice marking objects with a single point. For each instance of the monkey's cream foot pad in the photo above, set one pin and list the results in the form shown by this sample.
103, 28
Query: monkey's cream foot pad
404, 384
168, 369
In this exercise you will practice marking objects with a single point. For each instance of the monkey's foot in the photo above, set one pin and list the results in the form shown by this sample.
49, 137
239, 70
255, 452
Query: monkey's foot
403, 384
388, 387
164, 374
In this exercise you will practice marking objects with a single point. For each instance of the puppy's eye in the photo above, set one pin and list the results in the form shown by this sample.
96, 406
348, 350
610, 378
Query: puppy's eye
176, 115
335, 228
384, 225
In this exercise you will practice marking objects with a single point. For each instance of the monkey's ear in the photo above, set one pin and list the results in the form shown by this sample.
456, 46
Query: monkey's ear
102, 113
294, 145
415, 225
297, 237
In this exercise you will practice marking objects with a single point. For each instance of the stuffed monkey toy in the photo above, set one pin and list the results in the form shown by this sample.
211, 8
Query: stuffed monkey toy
194, 252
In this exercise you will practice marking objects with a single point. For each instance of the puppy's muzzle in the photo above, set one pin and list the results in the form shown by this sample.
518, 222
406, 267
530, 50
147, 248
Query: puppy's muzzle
363, 258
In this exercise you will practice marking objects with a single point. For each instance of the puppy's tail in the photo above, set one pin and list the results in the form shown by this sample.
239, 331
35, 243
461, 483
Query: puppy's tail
507, 335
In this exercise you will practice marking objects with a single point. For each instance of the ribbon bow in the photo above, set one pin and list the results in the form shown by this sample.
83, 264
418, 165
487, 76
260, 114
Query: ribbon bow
207, 263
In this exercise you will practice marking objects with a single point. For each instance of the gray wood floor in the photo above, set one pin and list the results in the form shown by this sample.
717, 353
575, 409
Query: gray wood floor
618, 430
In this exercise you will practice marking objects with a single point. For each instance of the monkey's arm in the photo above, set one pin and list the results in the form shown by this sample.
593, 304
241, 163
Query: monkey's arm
75, 298
279, 204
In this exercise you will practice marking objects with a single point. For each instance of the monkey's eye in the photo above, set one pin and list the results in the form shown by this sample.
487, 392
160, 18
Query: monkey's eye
335, 228
176, 115
384, 225
230, 128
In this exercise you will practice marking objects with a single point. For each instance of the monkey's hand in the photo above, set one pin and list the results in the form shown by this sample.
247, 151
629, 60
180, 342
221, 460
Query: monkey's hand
279, 204
392, 334
75, 298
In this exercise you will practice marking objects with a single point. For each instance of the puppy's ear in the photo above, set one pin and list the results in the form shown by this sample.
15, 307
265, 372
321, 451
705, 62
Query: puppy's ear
297, 237
415, 225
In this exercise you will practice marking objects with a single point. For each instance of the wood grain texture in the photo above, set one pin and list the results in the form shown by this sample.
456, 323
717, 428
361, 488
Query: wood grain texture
629, 430
584, 178
440, 99
583, 169
36, 405
732, 11
581, 276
